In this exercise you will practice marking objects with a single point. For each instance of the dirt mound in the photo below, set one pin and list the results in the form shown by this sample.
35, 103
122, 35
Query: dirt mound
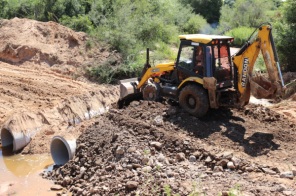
153, 148
49, 44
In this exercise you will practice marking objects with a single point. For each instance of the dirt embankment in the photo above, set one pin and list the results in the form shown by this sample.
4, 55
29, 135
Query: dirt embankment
27, 42
153, 148
39, 97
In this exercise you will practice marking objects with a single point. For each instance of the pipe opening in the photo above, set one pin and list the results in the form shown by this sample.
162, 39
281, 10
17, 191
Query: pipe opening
6, 138
62, 150
7, 141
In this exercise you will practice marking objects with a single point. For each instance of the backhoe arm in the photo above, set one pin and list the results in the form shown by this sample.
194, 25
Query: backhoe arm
244, 61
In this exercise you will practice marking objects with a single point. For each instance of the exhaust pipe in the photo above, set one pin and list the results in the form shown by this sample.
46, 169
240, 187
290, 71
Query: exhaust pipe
62, 148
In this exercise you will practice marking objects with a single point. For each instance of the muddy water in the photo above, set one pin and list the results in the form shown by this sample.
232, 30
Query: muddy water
19, 174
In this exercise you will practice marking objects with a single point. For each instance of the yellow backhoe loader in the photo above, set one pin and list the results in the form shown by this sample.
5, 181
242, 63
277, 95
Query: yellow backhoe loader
205, 75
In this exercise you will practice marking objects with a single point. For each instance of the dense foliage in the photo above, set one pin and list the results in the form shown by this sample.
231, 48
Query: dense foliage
286, 30
210, 9
130, 26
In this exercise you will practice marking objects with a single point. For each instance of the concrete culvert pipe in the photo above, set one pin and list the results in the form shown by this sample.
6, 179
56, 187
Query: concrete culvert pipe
62, 149
16, 138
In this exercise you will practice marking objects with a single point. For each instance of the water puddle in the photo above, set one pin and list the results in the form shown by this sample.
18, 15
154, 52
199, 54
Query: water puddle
19, 174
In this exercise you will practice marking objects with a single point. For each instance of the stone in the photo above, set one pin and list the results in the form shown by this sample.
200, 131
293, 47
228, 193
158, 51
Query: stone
147, 169
158, 165
66, 181
269, 171
222, 162
230, 165
227, 155
180, 156
79, 191
186, 142
158, 120
157, 145
131, 149
288, 193
202, 176
145, 160
281, 188
249, 169
218, 169
109, 168
56, 187
161, 157
129, 166
192, 158
135, 165
218, 174
119, 150
208, 159
132, 184
170, 173
197, 154
288, 174
236, 161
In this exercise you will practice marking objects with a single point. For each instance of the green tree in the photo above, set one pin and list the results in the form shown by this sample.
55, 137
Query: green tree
133, 25
248, 13
286, 36
209, 9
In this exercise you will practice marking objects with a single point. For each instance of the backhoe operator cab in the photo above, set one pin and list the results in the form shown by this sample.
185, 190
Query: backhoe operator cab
197, 59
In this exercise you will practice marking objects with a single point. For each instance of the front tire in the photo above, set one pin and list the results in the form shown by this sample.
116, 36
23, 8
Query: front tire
151, 92
194, 100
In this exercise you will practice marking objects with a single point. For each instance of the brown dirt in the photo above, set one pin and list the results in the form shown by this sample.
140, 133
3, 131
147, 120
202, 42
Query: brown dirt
51, 45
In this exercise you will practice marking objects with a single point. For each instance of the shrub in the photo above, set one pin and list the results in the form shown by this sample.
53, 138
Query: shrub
286, 36
240, 34
78, 23
195, 24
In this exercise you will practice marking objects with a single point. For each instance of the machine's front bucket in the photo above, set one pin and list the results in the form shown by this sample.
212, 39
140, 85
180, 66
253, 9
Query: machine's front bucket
128, 91
262, 87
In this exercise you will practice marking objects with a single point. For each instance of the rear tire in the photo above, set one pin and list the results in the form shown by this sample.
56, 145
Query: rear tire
194, 100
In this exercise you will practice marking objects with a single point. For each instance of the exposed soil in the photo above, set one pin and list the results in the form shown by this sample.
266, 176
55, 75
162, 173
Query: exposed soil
147, 148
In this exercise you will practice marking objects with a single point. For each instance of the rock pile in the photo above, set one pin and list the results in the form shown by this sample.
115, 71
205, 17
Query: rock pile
139, 150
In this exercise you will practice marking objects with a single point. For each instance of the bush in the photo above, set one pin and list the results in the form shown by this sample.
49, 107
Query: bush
286, 36
195, 24
248, 13
240, 34
78, 23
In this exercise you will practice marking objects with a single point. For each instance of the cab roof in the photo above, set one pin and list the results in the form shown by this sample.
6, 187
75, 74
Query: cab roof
204, 38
